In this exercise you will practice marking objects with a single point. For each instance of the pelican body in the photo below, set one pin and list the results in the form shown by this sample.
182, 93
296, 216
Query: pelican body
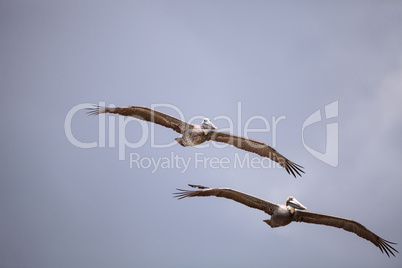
293, 210
193, 134
197, 134
283, 214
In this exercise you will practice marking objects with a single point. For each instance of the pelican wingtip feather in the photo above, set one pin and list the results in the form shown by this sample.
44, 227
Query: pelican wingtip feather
188, 193
96, 110
182, 194
293, 168
385, 247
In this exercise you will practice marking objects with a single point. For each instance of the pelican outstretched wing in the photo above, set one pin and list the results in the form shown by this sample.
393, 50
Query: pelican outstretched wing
245, 199
146, 114
257, 147
347, 225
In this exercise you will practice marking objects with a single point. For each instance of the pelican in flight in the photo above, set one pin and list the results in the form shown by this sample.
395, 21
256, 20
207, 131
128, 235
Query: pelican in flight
193, 134
293, 210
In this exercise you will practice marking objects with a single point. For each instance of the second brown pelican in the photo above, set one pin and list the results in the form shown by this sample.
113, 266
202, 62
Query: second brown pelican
193, 134
282, 215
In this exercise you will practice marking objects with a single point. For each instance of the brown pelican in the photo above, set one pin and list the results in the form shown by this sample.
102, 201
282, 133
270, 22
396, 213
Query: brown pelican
282, 215
193, 134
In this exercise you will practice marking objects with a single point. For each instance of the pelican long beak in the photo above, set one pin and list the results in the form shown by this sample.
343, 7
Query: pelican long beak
296, 204
212, 125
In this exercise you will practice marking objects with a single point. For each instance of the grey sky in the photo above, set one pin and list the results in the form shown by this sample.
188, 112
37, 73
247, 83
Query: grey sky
64, 206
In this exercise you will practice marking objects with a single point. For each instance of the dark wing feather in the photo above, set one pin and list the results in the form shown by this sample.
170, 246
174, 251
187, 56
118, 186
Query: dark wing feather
245, 199
347, 225
257, 147
147, 114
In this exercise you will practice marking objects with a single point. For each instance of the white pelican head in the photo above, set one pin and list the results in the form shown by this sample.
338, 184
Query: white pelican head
292, 203
207, 124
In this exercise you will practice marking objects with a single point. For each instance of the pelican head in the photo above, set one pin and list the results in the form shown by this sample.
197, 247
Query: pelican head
292, 203
207, 124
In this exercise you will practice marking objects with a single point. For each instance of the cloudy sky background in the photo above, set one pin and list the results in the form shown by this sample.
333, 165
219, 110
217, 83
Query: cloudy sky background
65, 206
